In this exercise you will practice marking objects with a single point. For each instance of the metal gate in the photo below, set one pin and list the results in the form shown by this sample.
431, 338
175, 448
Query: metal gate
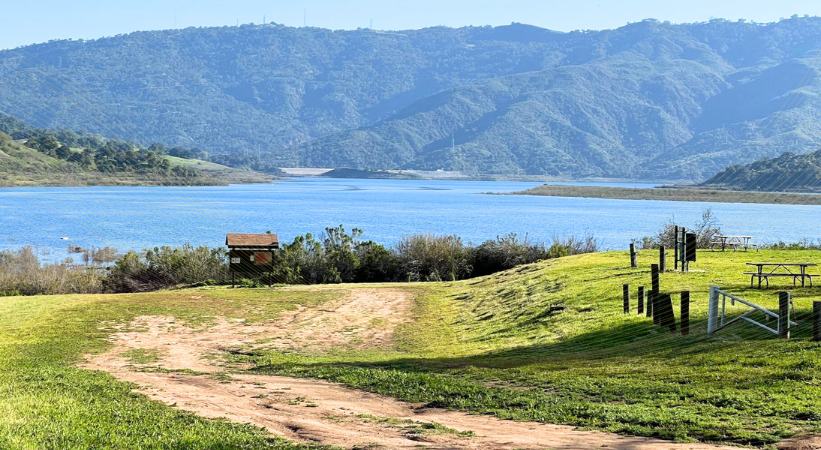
717, 313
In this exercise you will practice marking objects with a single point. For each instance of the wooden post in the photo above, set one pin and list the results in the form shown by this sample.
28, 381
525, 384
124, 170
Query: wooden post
649, 309
626, 297
712, 311
685, 313
784, 315
641, 300
662, 264
654, 278
633, 262
675, 247
816, 321
654, 292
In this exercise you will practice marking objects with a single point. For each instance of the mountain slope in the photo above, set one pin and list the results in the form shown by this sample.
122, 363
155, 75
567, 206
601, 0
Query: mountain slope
649, 99
42, 157
788, 172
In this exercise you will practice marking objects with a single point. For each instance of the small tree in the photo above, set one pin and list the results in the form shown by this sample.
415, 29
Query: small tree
706, 230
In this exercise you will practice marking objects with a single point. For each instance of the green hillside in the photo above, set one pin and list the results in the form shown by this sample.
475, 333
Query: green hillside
546, 342
650, 99
788, 172
42, 158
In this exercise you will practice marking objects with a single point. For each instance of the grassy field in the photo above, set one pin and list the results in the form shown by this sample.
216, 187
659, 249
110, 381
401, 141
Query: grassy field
676, 194
545, 342
48, 403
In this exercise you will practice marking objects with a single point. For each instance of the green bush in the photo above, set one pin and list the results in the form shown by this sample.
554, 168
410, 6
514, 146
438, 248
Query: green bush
165, 267
426, 257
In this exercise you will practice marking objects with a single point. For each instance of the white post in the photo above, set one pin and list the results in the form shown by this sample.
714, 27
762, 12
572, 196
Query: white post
712, 311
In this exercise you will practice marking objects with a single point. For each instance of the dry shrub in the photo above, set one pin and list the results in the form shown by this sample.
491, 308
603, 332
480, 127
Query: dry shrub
22, 274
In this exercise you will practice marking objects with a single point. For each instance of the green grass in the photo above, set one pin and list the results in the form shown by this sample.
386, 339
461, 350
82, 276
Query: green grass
142, 356
545, 342
48, 403
503, 345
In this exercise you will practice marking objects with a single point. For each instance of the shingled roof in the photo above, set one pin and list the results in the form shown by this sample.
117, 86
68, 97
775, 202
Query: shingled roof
251, 240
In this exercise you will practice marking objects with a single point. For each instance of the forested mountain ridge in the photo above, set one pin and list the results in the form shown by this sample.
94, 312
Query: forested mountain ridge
788, 172
649, 99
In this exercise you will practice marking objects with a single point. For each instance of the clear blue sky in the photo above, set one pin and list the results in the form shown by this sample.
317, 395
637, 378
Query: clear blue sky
32, 21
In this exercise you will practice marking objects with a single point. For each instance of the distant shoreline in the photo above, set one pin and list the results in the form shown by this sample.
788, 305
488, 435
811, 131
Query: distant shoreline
674, 194
416, 174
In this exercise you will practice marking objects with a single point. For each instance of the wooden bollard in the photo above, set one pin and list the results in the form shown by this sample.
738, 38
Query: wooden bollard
641, 300
626, 297
633, 262
784, 315
685, 313
675, 248
662, 264
654, 278
816, 321
649, 309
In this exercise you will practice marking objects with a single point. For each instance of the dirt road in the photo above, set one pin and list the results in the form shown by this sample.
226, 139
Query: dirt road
194, 378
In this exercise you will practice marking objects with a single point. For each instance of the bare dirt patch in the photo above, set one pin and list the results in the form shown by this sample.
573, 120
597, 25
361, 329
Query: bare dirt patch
185, 370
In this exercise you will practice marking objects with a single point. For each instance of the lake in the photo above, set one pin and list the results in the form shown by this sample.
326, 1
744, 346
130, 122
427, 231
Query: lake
387, 210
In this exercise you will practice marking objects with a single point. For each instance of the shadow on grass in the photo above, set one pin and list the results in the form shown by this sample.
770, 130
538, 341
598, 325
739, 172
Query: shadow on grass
638, 340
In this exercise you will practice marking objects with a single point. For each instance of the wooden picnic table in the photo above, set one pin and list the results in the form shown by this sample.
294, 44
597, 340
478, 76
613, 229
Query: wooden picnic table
780, 269
731, 241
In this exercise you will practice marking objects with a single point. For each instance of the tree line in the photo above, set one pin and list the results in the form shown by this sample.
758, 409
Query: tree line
96, 153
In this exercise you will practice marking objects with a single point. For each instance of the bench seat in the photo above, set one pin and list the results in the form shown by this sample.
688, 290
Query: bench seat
766, 277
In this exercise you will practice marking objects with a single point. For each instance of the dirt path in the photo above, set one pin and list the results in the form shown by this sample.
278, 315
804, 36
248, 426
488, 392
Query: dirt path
316, 411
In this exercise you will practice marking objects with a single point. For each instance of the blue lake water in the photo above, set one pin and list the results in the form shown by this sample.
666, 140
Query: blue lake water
140, 217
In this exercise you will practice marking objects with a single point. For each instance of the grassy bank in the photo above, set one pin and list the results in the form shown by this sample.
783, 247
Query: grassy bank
675, 194
549, 343
545, 342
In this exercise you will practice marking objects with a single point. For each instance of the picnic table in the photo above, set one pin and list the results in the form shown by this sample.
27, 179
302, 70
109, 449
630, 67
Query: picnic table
780, 269
730, 241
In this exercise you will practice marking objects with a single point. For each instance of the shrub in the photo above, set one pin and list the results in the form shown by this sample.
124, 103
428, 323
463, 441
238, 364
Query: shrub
804, 244
505, 252
165, 267
572, 246
376, 263
706, 230
22, 274
303, 261
434, 258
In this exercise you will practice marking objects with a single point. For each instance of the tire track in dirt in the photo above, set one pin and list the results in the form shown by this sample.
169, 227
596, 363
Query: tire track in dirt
309, 410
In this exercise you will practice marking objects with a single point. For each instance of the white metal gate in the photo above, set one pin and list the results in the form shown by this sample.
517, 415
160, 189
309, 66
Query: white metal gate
717, 313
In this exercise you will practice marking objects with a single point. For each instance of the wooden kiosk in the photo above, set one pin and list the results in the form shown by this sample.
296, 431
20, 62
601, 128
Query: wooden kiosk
250, 255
